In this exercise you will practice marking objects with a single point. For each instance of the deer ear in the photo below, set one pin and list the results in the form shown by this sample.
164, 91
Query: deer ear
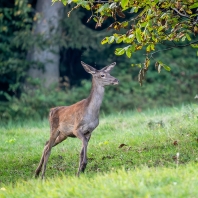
88, 68
109, 67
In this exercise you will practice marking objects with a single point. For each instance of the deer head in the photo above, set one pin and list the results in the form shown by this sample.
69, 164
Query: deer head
102, 77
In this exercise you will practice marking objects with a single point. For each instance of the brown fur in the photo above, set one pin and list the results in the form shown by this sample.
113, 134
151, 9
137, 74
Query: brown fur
79, 119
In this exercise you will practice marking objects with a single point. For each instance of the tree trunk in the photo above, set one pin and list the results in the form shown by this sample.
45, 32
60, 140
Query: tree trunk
48, 25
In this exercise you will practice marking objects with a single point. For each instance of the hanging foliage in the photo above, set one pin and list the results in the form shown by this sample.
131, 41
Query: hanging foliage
151, 23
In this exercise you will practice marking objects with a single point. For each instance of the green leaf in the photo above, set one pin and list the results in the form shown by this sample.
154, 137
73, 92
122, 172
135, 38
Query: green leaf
119, 39
125, 24
100, 9
110, 39
194, 45
105, 40
152, 47
134, 9
87, 6
7, 96
133, 47
138, 65
144, 24
138, 35
64, 2
124, 3
131, 36
183, 38
188, 37
119, 51
148, 48
195, 5
95, 19
166, 67
127, 40
128, 52
116, 35
160, 28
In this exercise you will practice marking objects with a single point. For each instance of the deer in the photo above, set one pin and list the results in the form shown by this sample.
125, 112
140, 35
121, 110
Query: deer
78, 120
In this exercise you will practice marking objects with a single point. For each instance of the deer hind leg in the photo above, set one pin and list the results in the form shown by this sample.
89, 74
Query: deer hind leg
46, 153
38, 170
58, 140
47, 150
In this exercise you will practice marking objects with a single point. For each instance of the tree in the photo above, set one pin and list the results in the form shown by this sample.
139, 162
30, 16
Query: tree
15, 31
47, 27
149, 24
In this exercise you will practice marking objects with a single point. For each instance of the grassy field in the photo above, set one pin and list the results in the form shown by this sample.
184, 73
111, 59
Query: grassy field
133, 154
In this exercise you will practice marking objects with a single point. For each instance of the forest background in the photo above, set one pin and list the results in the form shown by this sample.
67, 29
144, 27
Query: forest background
40, 53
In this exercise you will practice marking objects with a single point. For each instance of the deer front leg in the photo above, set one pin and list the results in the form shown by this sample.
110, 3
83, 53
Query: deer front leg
83, 153
83, 156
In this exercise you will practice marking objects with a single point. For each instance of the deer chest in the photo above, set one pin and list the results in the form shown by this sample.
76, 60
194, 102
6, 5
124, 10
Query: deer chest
89, 125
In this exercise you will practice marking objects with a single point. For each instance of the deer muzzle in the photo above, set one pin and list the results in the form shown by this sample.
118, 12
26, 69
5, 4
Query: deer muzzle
115, 82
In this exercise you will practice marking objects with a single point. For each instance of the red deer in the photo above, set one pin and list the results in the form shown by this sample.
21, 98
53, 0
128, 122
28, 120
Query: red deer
78, 120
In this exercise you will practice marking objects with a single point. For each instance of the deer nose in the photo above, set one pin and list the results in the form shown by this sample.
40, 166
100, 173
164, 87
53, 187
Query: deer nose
116, 81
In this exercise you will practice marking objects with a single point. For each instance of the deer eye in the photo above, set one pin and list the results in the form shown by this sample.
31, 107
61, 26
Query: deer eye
102, 75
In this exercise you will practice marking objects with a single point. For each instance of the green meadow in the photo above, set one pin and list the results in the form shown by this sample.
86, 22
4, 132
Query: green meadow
151, 153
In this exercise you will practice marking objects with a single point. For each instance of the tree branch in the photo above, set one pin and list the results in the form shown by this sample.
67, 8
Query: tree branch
176, 46
184, 15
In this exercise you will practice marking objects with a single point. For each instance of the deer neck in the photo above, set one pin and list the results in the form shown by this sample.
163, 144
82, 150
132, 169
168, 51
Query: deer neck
95, 98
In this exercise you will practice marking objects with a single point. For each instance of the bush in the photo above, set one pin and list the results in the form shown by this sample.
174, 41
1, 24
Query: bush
32, 104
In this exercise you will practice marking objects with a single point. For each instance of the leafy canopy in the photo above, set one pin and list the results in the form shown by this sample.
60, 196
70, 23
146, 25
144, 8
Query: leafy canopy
148, 23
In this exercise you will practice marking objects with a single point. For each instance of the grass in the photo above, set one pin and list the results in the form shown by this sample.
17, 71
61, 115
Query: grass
131, 154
